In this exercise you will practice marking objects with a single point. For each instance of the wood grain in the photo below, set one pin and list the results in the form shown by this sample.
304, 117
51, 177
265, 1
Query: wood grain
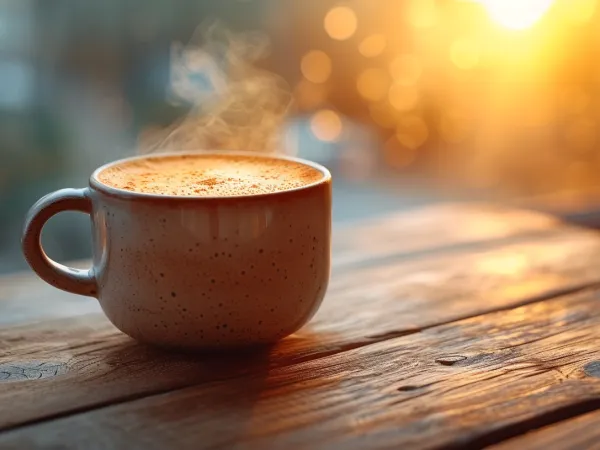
363, 306
503, 373
434, 229
24, 298
579, 433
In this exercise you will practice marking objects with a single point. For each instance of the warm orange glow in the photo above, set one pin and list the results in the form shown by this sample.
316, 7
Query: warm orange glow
403, 98
454, 126
372, 46
516, 14
316, 66
326, 125
382, 115
574, 100
579, 174
396, 155
309, 95
341, 23
503, 265
406, 70
464, 53
412, 132
422, 13
581, 134
373, 84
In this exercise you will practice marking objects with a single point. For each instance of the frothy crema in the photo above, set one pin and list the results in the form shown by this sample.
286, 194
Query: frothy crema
209, 175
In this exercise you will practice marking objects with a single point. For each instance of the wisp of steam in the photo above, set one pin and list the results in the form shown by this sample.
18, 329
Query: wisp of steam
235, 105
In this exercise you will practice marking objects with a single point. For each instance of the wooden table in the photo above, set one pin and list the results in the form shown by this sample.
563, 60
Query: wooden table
448, 327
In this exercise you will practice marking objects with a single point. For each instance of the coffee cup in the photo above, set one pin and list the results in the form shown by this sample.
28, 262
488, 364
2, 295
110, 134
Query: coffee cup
196, 251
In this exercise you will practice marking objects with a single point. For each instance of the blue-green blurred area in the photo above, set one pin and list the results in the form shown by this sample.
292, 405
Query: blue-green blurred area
408, 102
79, 81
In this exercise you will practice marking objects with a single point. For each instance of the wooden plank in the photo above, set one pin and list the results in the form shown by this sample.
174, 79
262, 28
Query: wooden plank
582, 432
434, 228
362, 307
25, 299
460, 385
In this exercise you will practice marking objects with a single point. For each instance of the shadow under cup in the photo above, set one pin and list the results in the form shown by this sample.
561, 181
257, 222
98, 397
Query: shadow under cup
197, 272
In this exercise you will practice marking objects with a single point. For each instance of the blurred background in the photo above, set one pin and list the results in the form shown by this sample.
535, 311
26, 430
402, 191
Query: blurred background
409, 102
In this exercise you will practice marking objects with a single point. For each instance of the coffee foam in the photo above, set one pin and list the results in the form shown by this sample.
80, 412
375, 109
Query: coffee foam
209, 175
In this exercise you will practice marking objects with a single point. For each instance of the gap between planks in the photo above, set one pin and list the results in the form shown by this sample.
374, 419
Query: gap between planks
461, 385
578, 432
469, 290
371, 340
391, 333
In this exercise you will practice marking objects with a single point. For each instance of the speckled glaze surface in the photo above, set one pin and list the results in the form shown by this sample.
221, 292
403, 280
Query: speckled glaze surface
197, 272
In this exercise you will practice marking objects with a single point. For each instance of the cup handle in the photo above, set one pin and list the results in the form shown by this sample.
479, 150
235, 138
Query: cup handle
76, 281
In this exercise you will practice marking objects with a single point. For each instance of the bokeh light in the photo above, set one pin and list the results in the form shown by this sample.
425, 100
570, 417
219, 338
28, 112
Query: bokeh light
422, 13
372, 46
326, 125
412, 131
373, 84
464, 53
397, 155
516, 14
405, 69
309, 95
454, 126
341, 23
316, 66
403, 98
382, 114
485, 94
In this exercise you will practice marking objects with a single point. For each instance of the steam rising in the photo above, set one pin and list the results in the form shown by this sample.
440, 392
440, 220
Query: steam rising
235, 105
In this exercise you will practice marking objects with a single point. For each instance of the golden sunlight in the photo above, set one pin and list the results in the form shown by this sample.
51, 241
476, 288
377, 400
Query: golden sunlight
316, 66
326, 125
412, 132
341, 23
454, 126
372, 84
403, 98
516, 14
372, 46
422, 13
503, 264
579, 12
464, 53
406, 69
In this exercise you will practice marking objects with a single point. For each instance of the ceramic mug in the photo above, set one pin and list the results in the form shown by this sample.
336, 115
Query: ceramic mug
196, 272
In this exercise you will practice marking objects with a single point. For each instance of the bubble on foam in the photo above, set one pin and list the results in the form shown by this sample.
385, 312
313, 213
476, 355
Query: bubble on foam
209, 175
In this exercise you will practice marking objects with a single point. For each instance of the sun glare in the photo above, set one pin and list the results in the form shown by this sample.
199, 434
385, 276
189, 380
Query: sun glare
341, 23
516, 14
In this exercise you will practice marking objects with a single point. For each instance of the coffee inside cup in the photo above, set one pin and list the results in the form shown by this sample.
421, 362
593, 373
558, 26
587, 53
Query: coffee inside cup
209, 175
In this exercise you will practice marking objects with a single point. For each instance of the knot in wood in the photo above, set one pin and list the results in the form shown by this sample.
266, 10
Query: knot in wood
592, 369
31, 370
450, 360
408, 388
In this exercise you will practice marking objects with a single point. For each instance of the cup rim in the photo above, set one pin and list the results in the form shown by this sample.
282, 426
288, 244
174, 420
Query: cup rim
97, 185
